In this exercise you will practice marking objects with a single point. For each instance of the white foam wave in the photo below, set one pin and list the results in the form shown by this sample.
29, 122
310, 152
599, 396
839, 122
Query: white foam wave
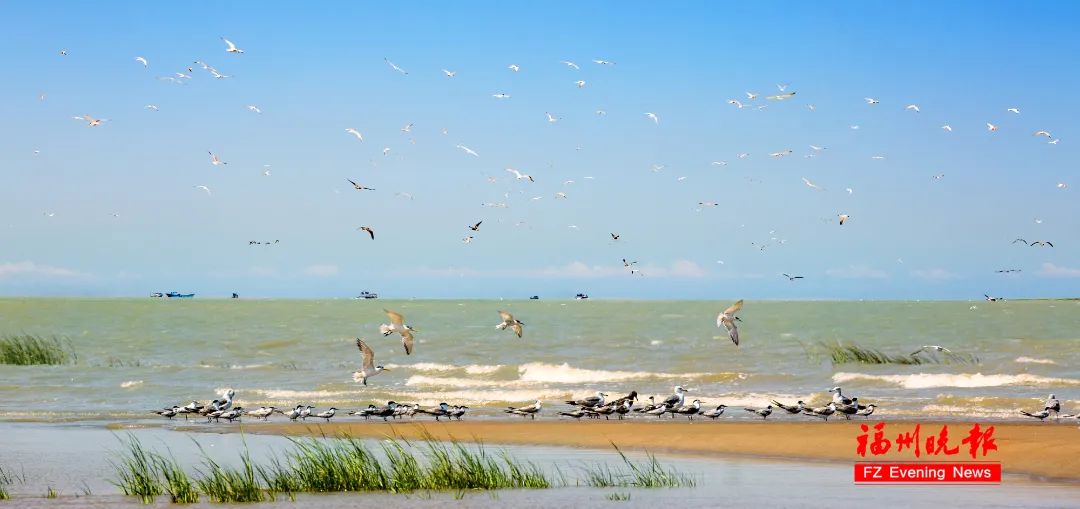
1034, 360
472, 369
540, 372
131, 383
964, 380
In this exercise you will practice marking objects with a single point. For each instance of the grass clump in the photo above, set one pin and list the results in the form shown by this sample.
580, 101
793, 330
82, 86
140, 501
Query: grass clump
175, 481
28, 350
6, 479
649, 474
135, 471
618, 497
224, 484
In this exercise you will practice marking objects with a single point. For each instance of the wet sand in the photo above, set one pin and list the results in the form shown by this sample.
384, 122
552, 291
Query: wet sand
1048, 451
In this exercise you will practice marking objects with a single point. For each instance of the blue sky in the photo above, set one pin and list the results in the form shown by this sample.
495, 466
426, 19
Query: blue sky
316, 69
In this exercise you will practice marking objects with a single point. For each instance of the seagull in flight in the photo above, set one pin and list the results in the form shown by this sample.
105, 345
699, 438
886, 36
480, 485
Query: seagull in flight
449, 74
781, 97
551, 118
368, 368
991, 127
359, 187
356, 133
368, 230
142, 60
602, 62
913, 107
204, 188
871, 100
476, 227
811, 185
151, 107
91, 121
751, 96
514, 67
792, 278
1013, 110
843, 217
508, 320
397, 324
468, 150
947, 128
653, 117
726, 319
232, 47
1043, 133
935, 348
215, 160
395, 67
570, 64
501, 96
254, 108
735, 103
520, 176
580, 83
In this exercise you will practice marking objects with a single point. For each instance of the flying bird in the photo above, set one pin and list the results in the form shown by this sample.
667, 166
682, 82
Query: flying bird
142, 60
913, 107
91, 121
476, 227
843, 217
356, 133
520, 176
602, 62
395, 67
792, 278
570, 64
215, 160
735, 103
449, 74
614, 236
653, 117
947, 127
508, 320
501, 96
935, 348
991, 127
871, 100
580, 83
368, 368
551, 118
204, 188
397, 324
232, 47
468, 150
811, 185
1040, 243
368, 230
781, 97
359, 187
1013, 110
151, 107
514, 67
1043, 133
726, 319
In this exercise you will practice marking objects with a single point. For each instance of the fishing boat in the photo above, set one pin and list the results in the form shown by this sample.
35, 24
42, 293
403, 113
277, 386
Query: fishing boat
581, 296
534, 297
367, 295
177, 295
157, 294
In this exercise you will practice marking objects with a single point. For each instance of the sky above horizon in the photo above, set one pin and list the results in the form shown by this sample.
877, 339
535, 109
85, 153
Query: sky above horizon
113, 210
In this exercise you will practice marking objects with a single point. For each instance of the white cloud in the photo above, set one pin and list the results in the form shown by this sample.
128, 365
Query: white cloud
321, 270
933, 274
857, 272
1050, 270
34, 269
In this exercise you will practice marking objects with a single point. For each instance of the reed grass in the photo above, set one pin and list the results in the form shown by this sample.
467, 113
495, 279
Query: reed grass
648, 474
51, 492
28, 350
850, 353
348, 465
618, 497
6, 479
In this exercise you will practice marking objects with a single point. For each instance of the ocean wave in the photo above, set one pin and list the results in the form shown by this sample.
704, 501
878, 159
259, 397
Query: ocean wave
472, 369
1034, 360
131, 383
963, 380
540, 372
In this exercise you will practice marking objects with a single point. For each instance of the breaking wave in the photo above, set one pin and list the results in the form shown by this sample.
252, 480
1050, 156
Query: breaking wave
963, 380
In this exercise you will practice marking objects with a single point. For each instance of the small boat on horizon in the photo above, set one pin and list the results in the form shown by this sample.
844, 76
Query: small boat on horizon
367, 295
581, 296
177, 295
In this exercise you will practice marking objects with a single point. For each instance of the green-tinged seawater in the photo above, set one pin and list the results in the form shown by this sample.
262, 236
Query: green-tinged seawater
137, 355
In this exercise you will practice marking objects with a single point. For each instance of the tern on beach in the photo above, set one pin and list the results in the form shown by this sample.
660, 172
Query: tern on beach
508, 320
796, 409
823, 412
717, 412
726, 319
1038, 415
368, 369
528, 410
763, 412
589, 402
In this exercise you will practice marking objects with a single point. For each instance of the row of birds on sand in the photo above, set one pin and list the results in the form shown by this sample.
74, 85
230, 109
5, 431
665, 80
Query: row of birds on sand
598, 406
1051, 408
223, 409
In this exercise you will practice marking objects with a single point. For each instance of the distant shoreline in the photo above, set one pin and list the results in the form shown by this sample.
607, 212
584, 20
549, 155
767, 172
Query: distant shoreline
516, 299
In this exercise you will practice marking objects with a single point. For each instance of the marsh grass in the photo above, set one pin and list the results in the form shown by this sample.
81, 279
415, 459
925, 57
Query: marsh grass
618, 497
648, 474
28, 350
347, 464
6, 479
841, 353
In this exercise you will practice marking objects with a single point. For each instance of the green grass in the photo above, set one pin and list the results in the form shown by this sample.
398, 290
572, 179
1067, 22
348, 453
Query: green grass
850, 353
346, 464
649, 474
6, 479
618, 497
136, 474
28, 350
51, 492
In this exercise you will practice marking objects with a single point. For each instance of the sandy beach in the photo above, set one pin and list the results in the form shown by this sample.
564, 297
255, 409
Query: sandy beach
1046, 451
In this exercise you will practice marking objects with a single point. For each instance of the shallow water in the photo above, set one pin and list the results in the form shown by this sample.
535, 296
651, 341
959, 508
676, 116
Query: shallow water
75, 458
136, 355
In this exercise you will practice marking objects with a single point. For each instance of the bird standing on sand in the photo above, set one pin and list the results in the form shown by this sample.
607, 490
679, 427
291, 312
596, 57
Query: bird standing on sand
726, 319
508, 320
589, 402
397, 324
168, 412
677, 399
867, 411
823, 412
838, 397
1038, 415
791, 409
1052, 404
327, 414
717, 412
368, 368
763, 412
528, 410
688, 410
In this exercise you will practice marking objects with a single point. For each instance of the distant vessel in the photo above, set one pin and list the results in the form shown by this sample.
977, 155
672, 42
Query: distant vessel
581, 296
534, 297
157, 294
235, 295
176, 295
367, 295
